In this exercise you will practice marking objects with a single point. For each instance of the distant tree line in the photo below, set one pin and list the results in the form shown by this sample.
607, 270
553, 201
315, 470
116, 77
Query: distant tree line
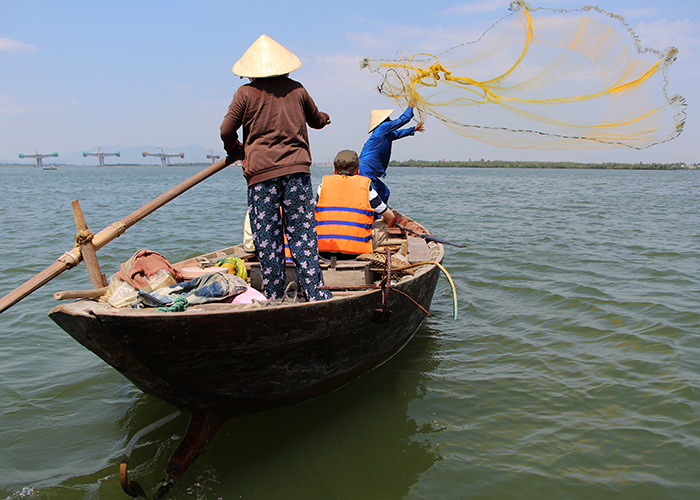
535, 164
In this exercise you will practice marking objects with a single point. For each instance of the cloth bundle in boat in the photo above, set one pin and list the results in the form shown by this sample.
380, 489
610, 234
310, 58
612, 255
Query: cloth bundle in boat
143, 264
207, 288
234, 265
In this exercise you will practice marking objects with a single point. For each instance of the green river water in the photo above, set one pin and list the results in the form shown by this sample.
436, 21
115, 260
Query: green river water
571, 372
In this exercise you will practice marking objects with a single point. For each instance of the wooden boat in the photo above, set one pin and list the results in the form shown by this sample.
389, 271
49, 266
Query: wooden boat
220, 360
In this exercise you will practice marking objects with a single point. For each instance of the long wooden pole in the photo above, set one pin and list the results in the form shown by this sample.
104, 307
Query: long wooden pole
73, 257
80, 294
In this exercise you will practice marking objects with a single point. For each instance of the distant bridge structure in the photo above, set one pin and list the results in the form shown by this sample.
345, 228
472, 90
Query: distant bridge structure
164, 157
213, 157
38, 156
100, 155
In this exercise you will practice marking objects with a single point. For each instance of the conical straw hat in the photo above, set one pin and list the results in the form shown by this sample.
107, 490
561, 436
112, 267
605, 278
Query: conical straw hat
266, 58
378, 116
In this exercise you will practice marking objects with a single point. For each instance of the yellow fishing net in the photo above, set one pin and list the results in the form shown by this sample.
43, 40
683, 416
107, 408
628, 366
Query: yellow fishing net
544, 79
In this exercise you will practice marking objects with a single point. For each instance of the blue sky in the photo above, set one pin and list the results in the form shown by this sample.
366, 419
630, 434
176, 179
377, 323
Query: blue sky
80, 74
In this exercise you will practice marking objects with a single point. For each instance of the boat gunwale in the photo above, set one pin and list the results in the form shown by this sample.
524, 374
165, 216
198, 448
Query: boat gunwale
96, 308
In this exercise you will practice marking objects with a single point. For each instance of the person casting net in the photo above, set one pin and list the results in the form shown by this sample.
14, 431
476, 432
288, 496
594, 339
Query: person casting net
544, 79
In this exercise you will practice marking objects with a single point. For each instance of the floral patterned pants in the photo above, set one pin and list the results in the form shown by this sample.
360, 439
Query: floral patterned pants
294, 195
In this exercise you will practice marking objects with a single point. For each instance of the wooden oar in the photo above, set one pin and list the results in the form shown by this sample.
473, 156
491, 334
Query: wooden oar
73, 257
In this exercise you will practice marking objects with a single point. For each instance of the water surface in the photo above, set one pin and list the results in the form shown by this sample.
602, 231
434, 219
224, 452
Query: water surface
572, 370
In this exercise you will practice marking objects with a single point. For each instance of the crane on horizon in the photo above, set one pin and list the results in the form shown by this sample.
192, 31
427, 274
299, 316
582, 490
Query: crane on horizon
100, 155
38, 156
164, 157
213, 157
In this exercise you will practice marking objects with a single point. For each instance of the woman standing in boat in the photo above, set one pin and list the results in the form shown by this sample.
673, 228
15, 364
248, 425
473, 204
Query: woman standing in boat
274, 111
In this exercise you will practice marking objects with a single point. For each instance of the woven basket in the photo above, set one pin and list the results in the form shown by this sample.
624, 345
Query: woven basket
378, 261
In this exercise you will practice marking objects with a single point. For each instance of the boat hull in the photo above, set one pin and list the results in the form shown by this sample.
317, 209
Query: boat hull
216, 358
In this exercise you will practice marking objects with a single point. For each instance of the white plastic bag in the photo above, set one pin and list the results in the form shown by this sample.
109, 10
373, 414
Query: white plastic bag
160, 280
122, 293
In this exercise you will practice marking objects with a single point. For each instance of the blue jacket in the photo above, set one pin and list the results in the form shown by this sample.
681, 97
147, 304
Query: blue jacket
376, 153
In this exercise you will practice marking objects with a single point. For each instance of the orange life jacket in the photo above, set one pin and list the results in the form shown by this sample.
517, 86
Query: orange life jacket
343, 215
287, 251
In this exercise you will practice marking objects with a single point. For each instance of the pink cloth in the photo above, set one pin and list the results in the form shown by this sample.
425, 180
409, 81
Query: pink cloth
248, 296
143, 264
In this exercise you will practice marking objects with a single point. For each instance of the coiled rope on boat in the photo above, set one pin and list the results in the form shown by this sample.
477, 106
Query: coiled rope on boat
179, 304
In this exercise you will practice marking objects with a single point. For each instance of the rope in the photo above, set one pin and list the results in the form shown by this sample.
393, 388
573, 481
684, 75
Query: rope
376, 287
84, 236
369, 287
178, 305
447, 275
291, 292
427, 313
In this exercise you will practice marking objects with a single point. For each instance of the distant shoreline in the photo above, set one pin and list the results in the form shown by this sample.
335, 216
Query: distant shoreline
434, 164
542, 164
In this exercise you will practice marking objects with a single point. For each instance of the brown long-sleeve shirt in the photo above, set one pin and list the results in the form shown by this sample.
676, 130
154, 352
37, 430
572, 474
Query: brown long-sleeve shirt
274, 113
